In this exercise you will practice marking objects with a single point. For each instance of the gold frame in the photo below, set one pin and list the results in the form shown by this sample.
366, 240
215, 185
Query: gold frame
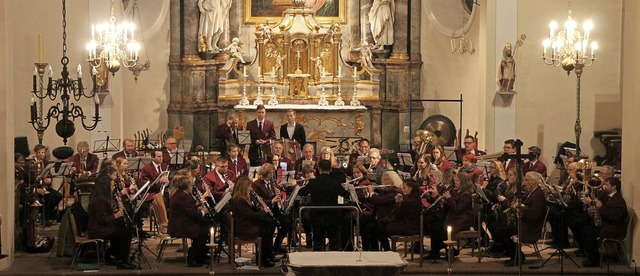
249, 19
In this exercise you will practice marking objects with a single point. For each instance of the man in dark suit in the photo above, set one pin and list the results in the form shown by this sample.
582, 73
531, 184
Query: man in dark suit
613, 213
308, 156
469, 147
292, 129
324, 191
535, 164
510, 149
363, 150
84, 162
278, 149
219, 179
128, 150
237, 164
186, 220
532, 219
261, 131
227, 133
151, 171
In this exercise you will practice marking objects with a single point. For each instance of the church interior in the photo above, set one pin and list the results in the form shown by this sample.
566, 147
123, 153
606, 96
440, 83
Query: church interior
385, 70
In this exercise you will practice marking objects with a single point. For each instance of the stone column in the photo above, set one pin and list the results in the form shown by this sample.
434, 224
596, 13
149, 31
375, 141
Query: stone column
400, 31
415, 7
360, 27
190, 20
175, 31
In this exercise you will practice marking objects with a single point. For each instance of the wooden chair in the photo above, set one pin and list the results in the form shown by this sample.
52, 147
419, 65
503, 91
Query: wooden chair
410, 240
82, 242
622, 245
474, 233
157, 208
233, 242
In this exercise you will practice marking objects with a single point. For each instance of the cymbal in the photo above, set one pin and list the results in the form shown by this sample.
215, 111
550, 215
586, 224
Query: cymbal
442, 128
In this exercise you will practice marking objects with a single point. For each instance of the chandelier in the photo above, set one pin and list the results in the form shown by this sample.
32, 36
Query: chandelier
571, 50
107, 43
65, 90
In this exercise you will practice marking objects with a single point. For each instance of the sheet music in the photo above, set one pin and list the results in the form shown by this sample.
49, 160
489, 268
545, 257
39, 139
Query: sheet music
46, 171
253, 172
179, 157
362, 159
65, 169
308, 162
353, 196
450, 153
144, 187
223, 201
292, 199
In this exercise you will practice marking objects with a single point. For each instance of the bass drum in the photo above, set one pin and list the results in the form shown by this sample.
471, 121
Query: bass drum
291, 149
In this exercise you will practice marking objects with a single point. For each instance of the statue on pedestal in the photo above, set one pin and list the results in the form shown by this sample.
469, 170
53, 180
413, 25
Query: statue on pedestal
214, 19
381, 18
235, 50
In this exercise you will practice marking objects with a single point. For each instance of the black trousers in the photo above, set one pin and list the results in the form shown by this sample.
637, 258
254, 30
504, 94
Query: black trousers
502, 235
120, 241
198, 250
335, 226
51, 201
434, 227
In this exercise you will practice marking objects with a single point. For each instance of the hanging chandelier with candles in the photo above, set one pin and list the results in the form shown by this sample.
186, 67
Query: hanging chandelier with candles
107, 43
569, 48
65, 92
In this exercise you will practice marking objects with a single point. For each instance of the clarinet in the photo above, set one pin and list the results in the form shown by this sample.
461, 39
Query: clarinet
206, 186
197, 195
257, 198
126, 219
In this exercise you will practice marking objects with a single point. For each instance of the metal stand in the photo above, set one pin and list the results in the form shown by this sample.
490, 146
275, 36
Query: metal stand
212, 246
450, 248
560, 250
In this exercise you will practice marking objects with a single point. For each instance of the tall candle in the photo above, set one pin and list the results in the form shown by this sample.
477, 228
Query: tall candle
211, 236
355, 72
259, 72
244, 71
339, 71
449, 233
40, 49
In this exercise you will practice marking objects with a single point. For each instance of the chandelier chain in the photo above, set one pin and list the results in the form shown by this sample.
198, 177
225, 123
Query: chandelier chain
65, 61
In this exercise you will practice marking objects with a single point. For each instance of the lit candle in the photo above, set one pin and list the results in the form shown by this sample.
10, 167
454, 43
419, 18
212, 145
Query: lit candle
449, 233
40, 49
244, 71
79, 71
35, 72
211, 236
96, 99
339, 71
50, 72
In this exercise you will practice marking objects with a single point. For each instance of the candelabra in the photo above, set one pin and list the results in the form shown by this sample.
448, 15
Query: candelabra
258, 100
106, 48
244, 100
323, 98
65, 89
339, 101
272, 99
569, 50
354, 96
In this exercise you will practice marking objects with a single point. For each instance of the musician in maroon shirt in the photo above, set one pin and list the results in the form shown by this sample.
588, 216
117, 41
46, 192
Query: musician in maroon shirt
261, 131
237, 164
186, 220
219, 179
102, 222
266, 187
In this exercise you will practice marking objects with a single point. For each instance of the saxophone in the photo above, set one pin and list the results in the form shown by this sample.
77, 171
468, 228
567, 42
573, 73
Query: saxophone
594, 213
497, 207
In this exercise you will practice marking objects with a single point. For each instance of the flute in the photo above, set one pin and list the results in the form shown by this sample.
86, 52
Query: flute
374, 186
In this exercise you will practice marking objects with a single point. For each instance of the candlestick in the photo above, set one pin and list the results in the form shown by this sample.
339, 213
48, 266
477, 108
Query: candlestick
449, 233
35, 87
211, 236
40, 48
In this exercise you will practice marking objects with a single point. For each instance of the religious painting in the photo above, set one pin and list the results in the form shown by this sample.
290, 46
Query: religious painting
327, 11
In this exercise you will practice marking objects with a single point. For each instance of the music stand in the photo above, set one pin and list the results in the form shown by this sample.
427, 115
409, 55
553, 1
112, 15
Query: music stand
291, 200
47, 171
353, 196
308, 162
287, 175
363, 159
404, 175
107, 145
244, 137
253, 171
137, 163
450, 153
405, 159
223, 201
178, 159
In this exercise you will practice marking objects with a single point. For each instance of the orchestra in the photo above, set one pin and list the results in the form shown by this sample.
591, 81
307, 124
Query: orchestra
435, 188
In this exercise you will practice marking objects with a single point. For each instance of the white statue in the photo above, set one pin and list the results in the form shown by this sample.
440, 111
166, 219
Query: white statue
214, 20
235, 50
365, 55
381, 18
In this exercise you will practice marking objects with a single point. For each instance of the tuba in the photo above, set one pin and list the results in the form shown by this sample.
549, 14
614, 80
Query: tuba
427, 140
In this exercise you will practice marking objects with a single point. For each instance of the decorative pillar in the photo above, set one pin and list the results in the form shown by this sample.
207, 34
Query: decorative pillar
401, 31
415, 12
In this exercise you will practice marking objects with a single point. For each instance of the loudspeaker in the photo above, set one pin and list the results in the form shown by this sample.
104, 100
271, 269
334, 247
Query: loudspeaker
21, 145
